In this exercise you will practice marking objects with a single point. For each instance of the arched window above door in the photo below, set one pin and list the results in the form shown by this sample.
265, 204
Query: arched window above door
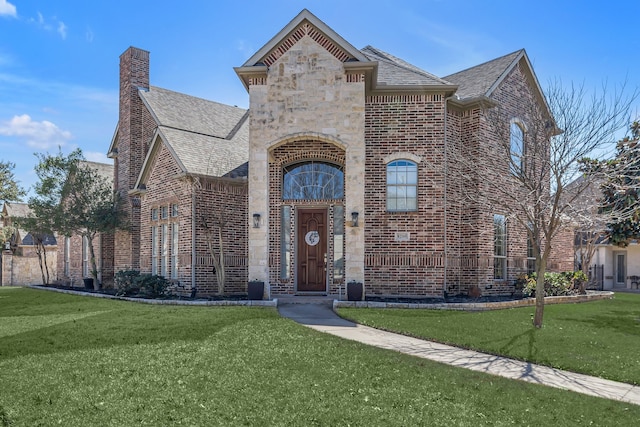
313, 180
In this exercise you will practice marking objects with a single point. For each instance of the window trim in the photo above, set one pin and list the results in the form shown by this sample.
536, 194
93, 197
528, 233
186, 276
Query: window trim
500, 259
406, 185
516, 162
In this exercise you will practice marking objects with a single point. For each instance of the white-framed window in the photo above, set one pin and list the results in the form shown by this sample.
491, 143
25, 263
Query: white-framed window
164, 260
402, 186
67, 256
174, 250
154, 214
164, 212
154, 250
531, 257
85, 256
174, 210
516, 146
499, 247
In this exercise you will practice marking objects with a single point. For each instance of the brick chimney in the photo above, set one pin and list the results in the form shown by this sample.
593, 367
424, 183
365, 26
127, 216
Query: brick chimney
131, 151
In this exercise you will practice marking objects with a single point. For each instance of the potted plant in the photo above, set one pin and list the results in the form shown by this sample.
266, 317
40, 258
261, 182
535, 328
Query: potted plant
255, 290
88, 283
354, 291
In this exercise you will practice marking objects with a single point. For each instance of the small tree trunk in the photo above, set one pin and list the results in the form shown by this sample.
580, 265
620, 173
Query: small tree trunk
94, 267
542, 267
46, 265
39, 253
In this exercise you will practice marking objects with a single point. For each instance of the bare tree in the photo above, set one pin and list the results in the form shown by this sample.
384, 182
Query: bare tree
526, 174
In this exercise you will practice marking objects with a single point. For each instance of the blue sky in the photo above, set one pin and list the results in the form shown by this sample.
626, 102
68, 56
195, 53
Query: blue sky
59, 59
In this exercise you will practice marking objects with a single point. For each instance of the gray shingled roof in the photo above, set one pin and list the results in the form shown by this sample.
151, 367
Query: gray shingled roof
197, 115
393, 71
105, 170
207, 138
476, 81
209, 155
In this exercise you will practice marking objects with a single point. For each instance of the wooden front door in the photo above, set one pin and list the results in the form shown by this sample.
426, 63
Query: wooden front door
312, 250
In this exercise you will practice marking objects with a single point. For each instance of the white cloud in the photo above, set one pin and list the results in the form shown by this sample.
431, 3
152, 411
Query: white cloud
53, 24
62, 30
7, 9
89, 35
41, 135
95, 156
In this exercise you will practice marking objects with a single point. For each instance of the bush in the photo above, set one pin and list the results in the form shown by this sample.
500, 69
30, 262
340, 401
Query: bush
555, 284
152, 285
131, 282
126, 282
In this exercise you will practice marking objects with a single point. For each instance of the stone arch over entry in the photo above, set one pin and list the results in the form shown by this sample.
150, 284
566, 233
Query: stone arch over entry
306, 244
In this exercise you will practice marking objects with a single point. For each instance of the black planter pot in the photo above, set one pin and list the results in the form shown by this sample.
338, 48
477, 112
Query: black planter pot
255, 290
354, 291
88, 283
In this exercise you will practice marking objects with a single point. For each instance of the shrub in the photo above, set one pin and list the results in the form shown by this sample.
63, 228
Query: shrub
555, 284
126, 282
132, 282
152, 285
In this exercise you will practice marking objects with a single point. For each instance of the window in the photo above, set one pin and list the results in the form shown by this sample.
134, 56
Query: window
154, 214
313, 181
164, 260
402, 186
516, 144
67, 256
154, 250
499, 247
174, 250
338, 243
85, 256
174, 210
164, 212
285, 243
531, 257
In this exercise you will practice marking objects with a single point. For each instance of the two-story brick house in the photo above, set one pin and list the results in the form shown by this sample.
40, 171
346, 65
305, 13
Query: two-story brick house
344, 168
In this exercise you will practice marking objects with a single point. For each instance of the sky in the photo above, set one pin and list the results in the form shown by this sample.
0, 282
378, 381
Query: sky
59, 58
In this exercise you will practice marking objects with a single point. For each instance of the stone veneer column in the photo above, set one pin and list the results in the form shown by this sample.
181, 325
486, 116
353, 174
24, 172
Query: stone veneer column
7, 267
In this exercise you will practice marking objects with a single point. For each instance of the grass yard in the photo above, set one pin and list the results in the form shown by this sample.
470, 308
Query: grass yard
600, 338
80, 361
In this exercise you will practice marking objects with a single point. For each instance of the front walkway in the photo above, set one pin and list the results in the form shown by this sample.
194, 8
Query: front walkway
321, 317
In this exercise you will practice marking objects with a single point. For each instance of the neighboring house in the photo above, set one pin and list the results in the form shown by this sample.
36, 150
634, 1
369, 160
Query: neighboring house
338, 172
609, 266
20, 265
73, 251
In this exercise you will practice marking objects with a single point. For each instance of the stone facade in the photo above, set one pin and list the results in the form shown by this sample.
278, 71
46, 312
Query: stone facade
23, 267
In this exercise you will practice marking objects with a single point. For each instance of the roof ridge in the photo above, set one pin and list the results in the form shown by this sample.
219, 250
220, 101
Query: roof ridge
484, 63
399, 62
193, 96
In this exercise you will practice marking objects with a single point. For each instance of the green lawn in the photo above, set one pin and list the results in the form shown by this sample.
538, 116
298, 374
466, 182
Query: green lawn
80, 361
600, 338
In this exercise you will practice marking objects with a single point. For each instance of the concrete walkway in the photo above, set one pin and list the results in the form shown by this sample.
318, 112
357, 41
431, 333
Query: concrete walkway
321, 317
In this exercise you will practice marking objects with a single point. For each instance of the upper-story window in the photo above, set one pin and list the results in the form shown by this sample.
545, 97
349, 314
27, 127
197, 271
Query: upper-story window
402, 186
516, 144
313, 181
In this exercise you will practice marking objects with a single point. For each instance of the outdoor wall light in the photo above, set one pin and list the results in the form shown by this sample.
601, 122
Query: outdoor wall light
256, 220
354, 219
7, 245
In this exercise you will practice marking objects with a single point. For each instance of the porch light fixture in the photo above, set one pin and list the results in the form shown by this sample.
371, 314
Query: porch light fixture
256, 220
354, 219
7, 245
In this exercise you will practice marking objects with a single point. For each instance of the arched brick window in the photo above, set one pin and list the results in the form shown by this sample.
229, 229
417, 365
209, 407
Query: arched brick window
313, 180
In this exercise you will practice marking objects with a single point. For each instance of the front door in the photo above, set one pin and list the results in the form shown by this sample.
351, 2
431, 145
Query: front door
620, 270
312, 250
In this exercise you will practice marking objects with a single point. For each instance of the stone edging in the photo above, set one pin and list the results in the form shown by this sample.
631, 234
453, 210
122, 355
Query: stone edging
477, 306
247, 303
